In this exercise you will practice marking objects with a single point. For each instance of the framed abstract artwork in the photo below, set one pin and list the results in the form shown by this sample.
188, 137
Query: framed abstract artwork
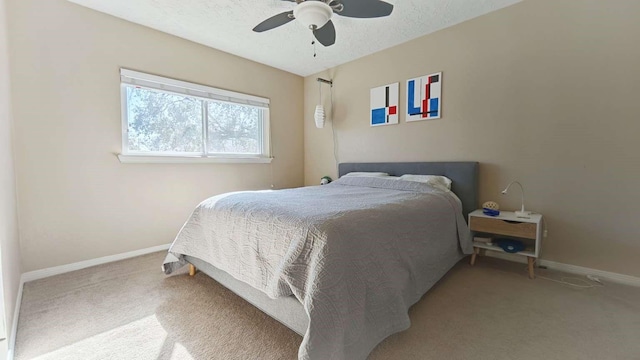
384, 104
424, 97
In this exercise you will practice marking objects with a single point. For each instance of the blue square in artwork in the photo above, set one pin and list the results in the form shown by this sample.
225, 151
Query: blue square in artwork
378, 116
433, 105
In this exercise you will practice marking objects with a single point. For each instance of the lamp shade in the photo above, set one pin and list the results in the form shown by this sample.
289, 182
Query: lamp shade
313, 14
318, 116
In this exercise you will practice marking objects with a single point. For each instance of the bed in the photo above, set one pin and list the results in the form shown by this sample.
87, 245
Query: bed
357, 253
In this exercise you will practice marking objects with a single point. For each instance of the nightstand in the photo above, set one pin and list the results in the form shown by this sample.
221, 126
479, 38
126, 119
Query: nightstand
507, 225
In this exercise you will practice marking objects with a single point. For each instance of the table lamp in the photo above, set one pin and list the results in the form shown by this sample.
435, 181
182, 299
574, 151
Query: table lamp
522, 213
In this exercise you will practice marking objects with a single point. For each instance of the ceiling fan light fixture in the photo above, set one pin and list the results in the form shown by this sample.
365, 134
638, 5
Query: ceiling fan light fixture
313, 14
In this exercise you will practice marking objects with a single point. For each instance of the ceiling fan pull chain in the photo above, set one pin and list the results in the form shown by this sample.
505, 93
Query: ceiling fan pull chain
313, 42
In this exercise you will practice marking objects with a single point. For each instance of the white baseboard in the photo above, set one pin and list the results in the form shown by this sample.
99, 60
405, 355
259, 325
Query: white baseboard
14, 326
572, 269
605, 275
56, 270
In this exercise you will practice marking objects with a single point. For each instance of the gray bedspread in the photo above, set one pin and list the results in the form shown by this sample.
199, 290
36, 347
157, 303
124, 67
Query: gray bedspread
357, 253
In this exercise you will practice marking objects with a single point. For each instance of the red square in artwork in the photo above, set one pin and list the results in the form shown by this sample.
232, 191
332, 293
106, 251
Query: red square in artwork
393, 110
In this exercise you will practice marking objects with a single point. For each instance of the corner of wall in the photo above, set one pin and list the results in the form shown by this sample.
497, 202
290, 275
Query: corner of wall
10, 247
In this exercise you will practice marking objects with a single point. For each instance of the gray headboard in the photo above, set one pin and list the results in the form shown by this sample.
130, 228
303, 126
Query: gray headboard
464, 175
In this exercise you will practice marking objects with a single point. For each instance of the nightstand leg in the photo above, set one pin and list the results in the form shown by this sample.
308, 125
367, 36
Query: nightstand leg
531, 273
192, 270
473, 256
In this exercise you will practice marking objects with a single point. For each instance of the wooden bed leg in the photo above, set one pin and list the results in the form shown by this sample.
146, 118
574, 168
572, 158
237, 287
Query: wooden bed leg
473, 256
531, 273
192, 270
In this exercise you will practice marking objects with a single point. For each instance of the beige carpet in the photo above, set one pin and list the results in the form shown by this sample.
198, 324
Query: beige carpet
130, 310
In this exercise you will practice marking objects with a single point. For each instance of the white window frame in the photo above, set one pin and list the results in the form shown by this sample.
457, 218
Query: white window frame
130, 78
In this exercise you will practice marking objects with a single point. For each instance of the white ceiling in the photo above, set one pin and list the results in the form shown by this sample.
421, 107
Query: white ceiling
226, 25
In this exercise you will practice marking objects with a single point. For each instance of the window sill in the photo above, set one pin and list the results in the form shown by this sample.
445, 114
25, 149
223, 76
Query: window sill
162, 159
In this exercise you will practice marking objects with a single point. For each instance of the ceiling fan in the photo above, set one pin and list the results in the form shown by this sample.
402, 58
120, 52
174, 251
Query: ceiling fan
316, 15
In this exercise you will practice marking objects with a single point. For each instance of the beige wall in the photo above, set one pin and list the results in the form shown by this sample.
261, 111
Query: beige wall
544, 91
9, 241
76, 200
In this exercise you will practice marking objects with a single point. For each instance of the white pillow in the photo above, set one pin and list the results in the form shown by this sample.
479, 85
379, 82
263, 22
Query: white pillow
442, 182
368, 173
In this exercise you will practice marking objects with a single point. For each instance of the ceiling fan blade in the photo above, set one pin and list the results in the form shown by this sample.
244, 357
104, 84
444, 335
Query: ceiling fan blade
274, 21
326, 35
365, 8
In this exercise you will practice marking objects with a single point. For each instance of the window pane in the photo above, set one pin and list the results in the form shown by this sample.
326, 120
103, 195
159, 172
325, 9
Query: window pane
234, 129
163, 122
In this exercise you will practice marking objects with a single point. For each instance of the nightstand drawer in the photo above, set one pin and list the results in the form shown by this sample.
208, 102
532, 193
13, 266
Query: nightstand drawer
503, 227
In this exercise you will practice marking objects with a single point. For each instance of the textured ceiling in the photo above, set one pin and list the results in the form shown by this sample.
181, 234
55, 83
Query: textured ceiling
226, 25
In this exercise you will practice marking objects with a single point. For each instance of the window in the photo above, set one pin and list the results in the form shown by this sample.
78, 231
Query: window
164, 118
